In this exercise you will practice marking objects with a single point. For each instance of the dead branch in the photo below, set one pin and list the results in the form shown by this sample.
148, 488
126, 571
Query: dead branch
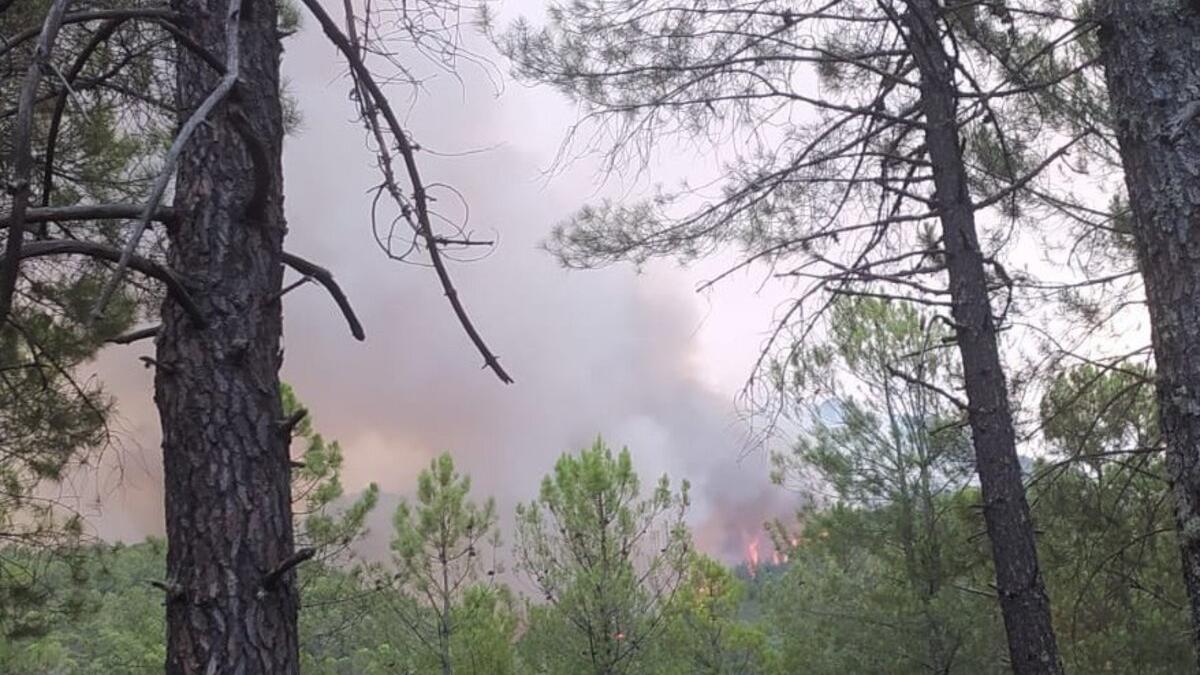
1020, 182
150, 362
134, 336
447, 241
275, 297
173, 590
192, 46
365, 81
918, 382
175, 286
89, 212
271, 581
325, 278
288, 424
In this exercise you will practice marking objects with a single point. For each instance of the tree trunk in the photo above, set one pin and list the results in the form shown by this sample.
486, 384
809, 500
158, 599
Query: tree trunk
225, 459
1151, 54
1022, 592
445, 618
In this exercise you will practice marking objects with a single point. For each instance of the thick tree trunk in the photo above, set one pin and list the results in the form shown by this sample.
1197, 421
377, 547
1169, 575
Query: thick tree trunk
225, 459
1151, 53
1022, 592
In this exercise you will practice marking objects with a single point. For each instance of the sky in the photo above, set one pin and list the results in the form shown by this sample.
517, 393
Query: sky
637, 356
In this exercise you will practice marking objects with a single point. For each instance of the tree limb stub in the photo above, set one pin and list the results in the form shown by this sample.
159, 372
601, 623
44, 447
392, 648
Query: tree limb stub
288, 424
173, 590
271, 581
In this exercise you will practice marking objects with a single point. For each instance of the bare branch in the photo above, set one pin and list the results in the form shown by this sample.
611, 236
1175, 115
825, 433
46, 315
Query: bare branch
150, 362
39, 249
366, 82
89, 212
325, 278
134, 336
288, 289
1020, 183
918, 382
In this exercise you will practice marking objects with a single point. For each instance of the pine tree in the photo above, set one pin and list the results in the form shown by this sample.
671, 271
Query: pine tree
606, 562
440, 552
879, 149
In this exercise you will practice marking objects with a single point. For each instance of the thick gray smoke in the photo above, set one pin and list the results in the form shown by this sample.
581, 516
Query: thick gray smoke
637, 358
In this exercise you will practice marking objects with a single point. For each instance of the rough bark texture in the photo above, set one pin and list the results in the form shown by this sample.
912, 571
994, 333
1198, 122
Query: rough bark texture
1151, 52
225, 458
1019, 585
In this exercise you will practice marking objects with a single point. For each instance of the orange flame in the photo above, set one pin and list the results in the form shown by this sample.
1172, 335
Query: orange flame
752, 556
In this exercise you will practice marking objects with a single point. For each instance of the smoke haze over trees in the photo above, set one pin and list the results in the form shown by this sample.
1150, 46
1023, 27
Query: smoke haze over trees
886, 331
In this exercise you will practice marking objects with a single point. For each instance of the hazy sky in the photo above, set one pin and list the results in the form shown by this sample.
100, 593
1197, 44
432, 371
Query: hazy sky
639, 358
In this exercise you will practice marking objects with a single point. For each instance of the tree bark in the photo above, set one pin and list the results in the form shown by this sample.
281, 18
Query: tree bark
1151, 54
1019, 585
228, 505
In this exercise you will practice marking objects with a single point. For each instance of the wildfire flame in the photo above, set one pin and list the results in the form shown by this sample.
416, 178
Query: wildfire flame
754, 556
